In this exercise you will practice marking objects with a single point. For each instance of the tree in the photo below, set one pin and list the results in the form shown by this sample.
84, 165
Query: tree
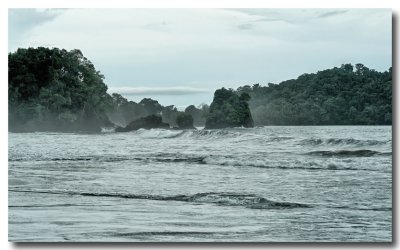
55, 89
197, 114
229, 110
151, 106
184, 120
169, 114
345, 95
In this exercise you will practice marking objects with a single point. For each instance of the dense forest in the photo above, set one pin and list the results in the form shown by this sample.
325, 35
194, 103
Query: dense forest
59, 90
55, 89
340, 96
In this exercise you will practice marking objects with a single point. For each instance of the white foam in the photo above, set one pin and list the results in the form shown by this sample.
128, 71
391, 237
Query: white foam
108, 130
158, 133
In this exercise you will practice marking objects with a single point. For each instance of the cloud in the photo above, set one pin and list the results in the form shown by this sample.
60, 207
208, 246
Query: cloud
332, 13
22, 21
268, 15
246, 26
162, 26
267, 19
178, 90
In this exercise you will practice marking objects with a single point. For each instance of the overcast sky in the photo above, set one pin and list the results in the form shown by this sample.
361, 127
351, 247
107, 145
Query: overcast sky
180, 56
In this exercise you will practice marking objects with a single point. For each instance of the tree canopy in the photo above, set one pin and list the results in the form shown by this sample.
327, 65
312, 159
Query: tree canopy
346, 95
199, 114
229, 109
55, 89
184, 120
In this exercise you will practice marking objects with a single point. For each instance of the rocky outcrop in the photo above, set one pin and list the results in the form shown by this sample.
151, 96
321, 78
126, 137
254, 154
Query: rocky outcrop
148, 122
228, 109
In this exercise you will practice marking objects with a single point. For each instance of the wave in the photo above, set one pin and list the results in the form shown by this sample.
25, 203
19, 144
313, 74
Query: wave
190, 133
214, 134
56, 159
231, 133
233, 160
250, 201
162, 157
161, 233
347, 153
380, 209
279, 138
71, 159
245, 133
157, 133
223, 199
62, 159
346, 141
289, 165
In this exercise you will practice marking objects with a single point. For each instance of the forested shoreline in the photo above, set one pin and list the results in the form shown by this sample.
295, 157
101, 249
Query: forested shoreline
348, 95
59, 90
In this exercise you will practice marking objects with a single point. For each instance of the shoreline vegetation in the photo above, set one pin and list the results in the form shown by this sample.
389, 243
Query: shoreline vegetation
56, 90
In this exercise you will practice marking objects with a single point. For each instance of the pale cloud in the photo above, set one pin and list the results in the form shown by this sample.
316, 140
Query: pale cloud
178, 90
332, 13
246, 26
22, 21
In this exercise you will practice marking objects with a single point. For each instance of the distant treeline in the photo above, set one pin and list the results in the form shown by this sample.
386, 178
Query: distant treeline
340, 96
123, 111
59, 90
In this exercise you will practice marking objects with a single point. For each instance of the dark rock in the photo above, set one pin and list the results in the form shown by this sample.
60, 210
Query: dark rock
148, 122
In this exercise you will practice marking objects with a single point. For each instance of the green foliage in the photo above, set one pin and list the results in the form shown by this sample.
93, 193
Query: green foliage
124, 111
228, 109
340, 96
184, 120
199, 114
53, 88
168, 114
151, 106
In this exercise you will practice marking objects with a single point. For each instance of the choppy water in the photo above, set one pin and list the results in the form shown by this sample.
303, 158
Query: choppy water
274, 184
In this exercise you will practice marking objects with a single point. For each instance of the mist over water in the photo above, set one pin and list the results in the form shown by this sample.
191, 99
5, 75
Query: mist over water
274, 184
